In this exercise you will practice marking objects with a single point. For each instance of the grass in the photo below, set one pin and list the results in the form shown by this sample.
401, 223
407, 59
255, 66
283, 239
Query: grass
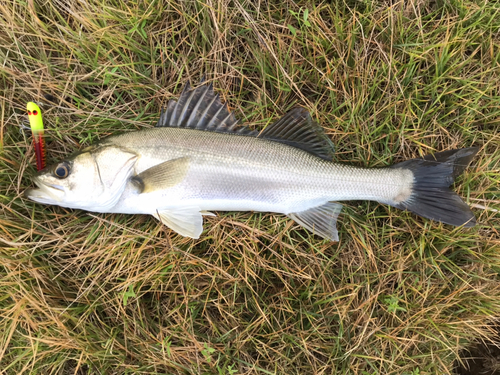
84, 293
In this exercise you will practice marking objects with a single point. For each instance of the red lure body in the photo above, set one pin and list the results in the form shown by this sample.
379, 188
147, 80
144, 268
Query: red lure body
39, 143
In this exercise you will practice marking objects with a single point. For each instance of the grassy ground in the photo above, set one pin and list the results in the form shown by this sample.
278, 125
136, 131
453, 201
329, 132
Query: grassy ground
99, 293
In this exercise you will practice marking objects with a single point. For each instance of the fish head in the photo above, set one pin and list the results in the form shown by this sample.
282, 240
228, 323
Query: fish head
93, 179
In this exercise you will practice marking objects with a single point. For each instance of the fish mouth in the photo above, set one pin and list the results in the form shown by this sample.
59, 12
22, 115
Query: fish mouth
46, 193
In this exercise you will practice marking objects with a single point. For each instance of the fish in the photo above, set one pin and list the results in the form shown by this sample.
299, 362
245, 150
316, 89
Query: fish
197, 159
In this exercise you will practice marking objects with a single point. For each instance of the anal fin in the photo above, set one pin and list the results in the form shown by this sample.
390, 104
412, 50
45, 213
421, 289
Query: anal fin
321, 220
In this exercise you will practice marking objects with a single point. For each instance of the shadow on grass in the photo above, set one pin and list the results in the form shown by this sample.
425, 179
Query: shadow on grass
480, 359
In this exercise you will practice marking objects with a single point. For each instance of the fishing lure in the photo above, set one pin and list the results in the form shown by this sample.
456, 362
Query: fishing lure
36, 124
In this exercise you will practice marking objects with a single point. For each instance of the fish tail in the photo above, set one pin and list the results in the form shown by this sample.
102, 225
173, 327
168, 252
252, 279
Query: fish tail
430, 195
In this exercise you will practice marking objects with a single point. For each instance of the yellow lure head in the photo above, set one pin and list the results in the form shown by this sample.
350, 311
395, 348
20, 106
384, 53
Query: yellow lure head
35, 116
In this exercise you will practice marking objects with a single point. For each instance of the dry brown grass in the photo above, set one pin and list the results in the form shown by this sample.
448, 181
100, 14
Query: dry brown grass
101, 293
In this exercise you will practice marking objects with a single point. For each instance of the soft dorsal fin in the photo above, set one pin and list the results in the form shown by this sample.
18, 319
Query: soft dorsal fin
298, 129
200, 109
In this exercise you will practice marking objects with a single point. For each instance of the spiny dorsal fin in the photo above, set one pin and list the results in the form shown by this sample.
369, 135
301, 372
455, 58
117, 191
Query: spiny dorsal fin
298, 129
201, 109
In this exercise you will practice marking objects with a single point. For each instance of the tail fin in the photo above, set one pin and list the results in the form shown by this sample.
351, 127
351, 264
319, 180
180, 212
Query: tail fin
431, 197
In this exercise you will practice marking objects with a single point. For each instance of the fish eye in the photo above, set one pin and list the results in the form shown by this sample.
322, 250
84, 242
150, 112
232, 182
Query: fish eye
62, 170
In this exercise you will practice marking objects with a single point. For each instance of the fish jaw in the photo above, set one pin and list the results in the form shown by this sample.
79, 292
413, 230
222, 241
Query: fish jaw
46, 193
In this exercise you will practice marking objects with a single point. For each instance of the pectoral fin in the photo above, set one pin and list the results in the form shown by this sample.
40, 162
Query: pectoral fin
187, 221
162, 176
321, 220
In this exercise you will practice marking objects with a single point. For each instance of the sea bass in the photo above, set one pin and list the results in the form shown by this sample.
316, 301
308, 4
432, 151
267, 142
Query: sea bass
197, 160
